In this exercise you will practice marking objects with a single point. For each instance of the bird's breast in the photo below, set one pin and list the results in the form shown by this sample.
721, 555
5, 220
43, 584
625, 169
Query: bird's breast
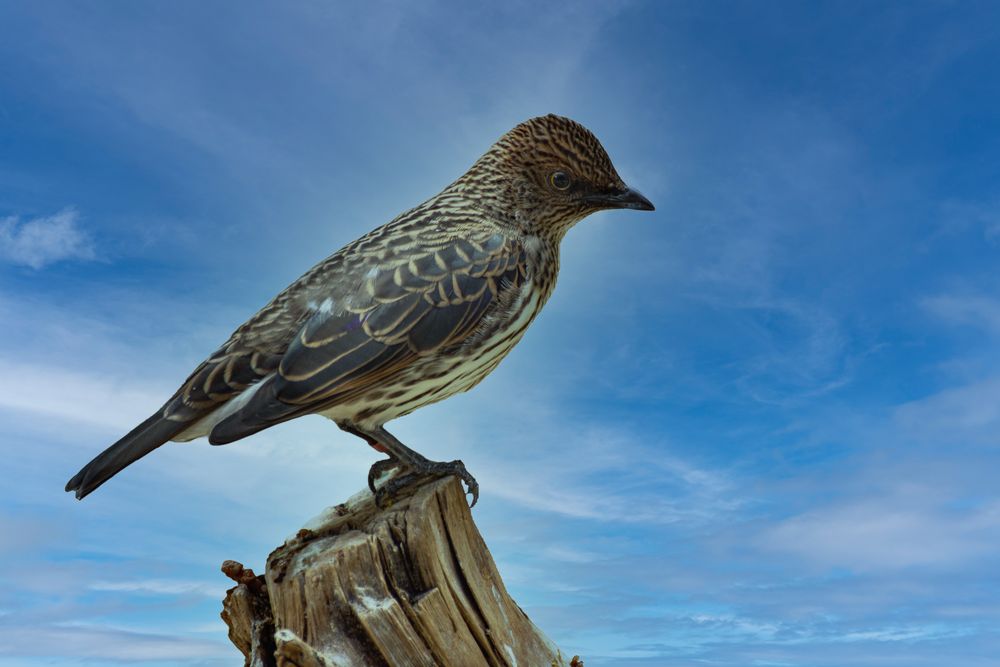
449, 371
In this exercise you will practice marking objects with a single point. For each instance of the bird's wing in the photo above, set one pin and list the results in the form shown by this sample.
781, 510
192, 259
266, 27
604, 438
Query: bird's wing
255, 349
399, 312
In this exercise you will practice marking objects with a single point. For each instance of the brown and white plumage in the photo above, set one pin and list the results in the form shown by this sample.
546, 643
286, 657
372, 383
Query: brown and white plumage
413, 312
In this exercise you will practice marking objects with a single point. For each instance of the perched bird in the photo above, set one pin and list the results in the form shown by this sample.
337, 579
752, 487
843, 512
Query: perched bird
409, 314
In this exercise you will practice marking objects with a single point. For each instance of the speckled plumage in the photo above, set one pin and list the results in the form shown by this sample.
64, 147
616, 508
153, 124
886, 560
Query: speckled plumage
413, 312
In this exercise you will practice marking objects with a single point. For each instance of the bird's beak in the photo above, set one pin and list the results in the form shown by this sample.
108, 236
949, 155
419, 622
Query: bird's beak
625, 198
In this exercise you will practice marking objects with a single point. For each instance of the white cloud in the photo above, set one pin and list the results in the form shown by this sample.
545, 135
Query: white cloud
888, 533
958, 216
965, 413
41, 241
604, 475
904, 634
214, 590
102, 642
966, 310
115, 403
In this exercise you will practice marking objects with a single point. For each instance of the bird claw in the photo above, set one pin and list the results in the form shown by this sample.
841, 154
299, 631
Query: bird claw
379, 468
458, 469
417, 474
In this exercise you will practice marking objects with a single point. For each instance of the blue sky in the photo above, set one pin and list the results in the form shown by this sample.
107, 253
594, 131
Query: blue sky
756, 427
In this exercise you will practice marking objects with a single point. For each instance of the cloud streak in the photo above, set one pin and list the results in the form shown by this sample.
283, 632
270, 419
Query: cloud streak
39, 242
888, 533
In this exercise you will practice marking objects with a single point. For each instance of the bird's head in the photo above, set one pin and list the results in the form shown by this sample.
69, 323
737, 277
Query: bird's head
548, 173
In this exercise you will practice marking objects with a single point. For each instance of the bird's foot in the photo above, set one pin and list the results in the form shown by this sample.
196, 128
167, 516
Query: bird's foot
416, 474
380, 468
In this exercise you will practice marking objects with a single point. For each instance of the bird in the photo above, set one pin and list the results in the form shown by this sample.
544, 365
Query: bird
411, 313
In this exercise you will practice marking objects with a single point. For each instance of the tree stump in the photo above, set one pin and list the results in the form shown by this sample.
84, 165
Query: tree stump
411, 584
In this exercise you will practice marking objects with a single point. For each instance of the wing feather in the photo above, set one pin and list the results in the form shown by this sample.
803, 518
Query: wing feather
399, 313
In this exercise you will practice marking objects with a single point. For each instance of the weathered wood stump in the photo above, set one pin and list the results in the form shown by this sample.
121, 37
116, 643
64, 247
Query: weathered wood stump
411, 584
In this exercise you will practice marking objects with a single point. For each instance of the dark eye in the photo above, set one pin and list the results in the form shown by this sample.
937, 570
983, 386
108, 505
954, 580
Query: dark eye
560, 180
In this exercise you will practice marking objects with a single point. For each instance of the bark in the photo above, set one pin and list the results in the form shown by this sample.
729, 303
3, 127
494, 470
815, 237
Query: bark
411, 584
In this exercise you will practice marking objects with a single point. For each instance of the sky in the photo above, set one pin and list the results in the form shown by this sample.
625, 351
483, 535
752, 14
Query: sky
758, 427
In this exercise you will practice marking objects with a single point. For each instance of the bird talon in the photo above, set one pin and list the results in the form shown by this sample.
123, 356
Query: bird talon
458, 469
378, 469
472, 490
417, 474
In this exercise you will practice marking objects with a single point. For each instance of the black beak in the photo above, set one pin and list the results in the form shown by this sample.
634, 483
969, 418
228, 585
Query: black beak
627, 198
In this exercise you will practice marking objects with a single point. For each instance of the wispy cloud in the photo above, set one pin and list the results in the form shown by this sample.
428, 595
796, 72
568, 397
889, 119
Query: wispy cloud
38, 242
592, 472
975, 310
958, 216
215, 590
101, 642
55, 392
888, 533
965, 413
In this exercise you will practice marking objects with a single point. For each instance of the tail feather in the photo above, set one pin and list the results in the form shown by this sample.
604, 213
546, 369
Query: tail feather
263, 409
140, 441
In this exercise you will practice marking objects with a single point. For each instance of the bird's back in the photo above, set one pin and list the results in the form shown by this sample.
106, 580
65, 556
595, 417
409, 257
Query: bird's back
408, 314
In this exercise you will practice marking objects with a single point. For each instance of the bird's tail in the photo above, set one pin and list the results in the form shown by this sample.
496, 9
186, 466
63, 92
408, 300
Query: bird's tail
140, 441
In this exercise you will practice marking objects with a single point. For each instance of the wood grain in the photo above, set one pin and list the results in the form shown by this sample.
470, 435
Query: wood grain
411, 585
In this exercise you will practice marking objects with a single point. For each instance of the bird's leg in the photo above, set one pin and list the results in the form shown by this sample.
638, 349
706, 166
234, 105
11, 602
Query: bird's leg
372, 442
380, 467
418, 466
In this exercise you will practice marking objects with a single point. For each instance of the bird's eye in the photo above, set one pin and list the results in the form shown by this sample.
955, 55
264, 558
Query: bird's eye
560, 180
